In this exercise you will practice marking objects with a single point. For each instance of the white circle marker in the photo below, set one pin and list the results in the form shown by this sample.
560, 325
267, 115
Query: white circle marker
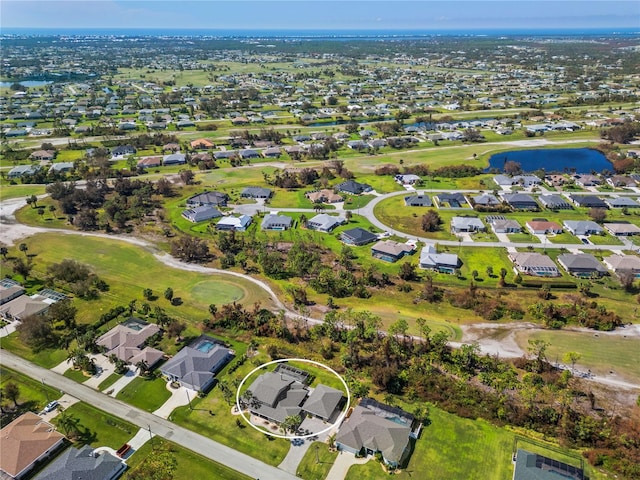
291, 437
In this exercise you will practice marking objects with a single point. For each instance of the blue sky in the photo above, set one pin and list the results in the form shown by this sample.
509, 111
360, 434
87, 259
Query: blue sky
321, 14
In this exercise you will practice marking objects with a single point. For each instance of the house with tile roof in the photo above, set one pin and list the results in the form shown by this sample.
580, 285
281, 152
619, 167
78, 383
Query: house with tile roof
25, 442
535, 264
127, 342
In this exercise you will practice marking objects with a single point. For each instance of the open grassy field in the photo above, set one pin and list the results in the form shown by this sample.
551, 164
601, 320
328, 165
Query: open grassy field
317, 462
98, 428
145, 393
47, 358
453, 447
34, 394
16, 191
601, 352
129, 269
187, 461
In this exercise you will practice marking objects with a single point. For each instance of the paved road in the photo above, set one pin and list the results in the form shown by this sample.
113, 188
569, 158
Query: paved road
163, 428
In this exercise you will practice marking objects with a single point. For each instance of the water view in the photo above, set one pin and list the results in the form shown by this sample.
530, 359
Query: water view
580, 160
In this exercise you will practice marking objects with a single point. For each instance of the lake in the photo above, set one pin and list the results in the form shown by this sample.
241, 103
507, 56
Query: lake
27, 83
580, 160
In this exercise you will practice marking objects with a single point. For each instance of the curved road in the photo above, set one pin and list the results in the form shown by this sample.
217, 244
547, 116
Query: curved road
193, 441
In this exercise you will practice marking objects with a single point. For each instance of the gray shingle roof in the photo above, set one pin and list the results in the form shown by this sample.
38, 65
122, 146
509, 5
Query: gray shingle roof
84, 464
323, 401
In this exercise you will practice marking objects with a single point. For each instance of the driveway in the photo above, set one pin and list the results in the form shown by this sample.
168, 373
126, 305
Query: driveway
297, 450
126, 379
179, 397
65, 402
343, 463
62, 367
8, 329
104, 368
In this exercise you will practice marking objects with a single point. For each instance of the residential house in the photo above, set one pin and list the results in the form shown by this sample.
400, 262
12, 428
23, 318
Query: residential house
174, 159
391, 251
196, 364
582, 227
248, 153
621, 181
43, 155
225, 154
26, 441
22, 170
622, 229
467, 224
450, 200
554, 202
83, 463
534, 263
442, 262
123, 151
25, 306
485, 200
324, 222
504, 225
358, 236
532, 466
324, 402
149, 162
374, 427
555, 180
216, 199
127, 342
622, 202
256, 192
520, 201
271, 152
417, 201
588, 201
588, 180
543, 227
239, 224
9, 290
352, 187
620, 264
581, 264
522, 180
202, 144
62, 167
407, 179
324, 196
273, 221
202, 213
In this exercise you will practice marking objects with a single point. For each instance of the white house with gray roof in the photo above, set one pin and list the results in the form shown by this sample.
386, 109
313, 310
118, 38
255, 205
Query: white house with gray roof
581, 264
83, 463
582, 227
196, 364
324, 222
273, 221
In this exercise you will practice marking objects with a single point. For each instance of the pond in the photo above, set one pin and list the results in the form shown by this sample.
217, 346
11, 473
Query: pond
27, 83
579, 160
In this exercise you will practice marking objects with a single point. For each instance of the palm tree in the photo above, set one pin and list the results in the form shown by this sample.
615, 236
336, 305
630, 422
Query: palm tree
52, 210
23, 248
4, 251
143, 367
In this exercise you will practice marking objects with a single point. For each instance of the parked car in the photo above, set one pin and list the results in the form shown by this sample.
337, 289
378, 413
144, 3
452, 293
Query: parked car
51, 406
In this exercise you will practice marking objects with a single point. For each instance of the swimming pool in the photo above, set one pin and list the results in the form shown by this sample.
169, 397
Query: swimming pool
205, 346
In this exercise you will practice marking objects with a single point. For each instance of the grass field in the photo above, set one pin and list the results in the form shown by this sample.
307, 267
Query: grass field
145, 393
317, 462
34, 394
456, 448
75, 375
98, 428
121, 266
110, 380
47, 358
601, 352
16, 191
196, 465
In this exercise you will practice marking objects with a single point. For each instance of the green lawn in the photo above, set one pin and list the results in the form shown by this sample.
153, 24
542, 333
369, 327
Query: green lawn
76, 375
100, 429
601, 352
197, 466
110, 380
455, 448
34, 394
47, 358
16, 191
563, 238
523, 238
145, 393
129, 269
317, 462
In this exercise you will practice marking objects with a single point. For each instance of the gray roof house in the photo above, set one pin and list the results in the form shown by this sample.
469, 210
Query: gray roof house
323, 402
534, 263
582, 227
588, 201
84, 463
531, 466
9, 289
324, 222
407, 179
391, 251
417, 201
620, 229
353, 187
524, 180
467, 224
174, 159
485, 200
520, 201
374, 427
256, 192
505, 225
581, 264
623, 263
554, 202
196, 364
358, 236
442, 262
622, 202
208, 198
239, 224
451, 200
202, 213
20, 170
61, 167
273, 221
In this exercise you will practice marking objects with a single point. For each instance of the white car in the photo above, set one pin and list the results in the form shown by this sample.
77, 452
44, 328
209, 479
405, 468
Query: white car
51, 406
